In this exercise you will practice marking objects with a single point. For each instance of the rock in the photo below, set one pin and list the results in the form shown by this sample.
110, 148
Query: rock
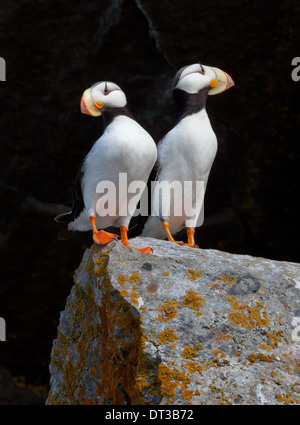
179, 326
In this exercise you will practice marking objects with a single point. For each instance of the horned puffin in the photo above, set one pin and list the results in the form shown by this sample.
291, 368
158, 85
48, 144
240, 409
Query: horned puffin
125, 150
186, 154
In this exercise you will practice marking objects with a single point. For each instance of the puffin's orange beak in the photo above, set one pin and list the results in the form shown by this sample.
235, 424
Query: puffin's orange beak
83, 107
87, 105
222, 82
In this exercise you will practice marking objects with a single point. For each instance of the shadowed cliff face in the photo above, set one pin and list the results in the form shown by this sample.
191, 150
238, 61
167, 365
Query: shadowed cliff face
55, 50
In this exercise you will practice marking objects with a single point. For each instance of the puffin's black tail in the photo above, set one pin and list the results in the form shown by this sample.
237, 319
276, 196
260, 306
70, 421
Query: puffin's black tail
65, 233
64, 218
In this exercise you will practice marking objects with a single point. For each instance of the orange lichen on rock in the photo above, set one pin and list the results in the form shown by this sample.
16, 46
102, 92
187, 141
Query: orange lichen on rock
116, 371
193, 275
228, 279
274, 338
167, 336
135, 277
262, 357
189, 353
167, 310
193, 367
193, 301
170, 379
134, 297
246, 316
165, 273
286, 398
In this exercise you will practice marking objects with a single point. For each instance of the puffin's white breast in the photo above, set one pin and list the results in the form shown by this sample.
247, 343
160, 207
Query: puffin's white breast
124, 147
187, 152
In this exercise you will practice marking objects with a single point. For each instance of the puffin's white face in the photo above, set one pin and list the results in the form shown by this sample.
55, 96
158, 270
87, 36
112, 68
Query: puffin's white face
101, 96
196, 77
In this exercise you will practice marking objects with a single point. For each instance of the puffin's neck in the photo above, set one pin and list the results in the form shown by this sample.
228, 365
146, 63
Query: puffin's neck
111, 113
188, 104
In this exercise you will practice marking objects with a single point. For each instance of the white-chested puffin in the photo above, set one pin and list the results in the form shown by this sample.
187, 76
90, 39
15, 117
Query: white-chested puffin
186, 154
124, 148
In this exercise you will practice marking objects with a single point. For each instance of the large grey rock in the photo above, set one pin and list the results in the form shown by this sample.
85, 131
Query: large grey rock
179, 326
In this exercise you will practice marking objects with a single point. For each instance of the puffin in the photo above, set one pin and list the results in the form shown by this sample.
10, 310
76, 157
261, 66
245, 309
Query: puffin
124, 154
185, 156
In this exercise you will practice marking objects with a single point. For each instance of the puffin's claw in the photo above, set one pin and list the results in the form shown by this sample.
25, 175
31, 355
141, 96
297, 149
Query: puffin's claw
146, 250
178, 242
124, 241
191, 245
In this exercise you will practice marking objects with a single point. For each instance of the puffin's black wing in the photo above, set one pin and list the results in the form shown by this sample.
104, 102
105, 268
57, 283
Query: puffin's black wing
77, 207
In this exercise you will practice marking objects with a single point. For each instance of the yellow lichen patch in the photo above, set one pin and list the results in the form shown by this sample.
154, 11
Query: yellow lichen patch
220, 394
198, 346
121, 334
297, 367
122, 261
218, 354
165, 273
143, 308
286, 398
167, 310
193, 301
172, 378
193, 275
166, 336
189, 353
121, 279
124, 292
228, 279
134, 296
274, 338
146, 381
83, 312
246, 316
262, 357
135, 277
193, 367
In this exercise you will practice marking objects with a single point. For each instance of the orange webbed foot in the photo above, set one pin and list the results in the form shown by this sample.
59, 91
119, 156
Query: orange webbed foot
124, 241
100, 236
146, 250
103, 238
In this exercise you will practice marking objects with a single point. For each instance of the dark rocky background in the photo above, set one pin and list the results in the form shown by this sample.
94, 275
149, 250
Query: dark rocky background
53, 51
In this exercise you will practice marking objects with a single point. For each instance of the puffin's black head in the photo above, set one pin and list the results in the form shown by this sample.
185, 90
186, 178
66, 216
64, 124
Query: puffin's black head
195, 78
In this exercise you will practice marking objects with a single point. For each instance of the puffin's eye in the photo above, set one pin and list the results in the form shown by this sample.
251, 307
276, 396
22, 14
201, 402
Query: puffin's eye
202, 69
106, 91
